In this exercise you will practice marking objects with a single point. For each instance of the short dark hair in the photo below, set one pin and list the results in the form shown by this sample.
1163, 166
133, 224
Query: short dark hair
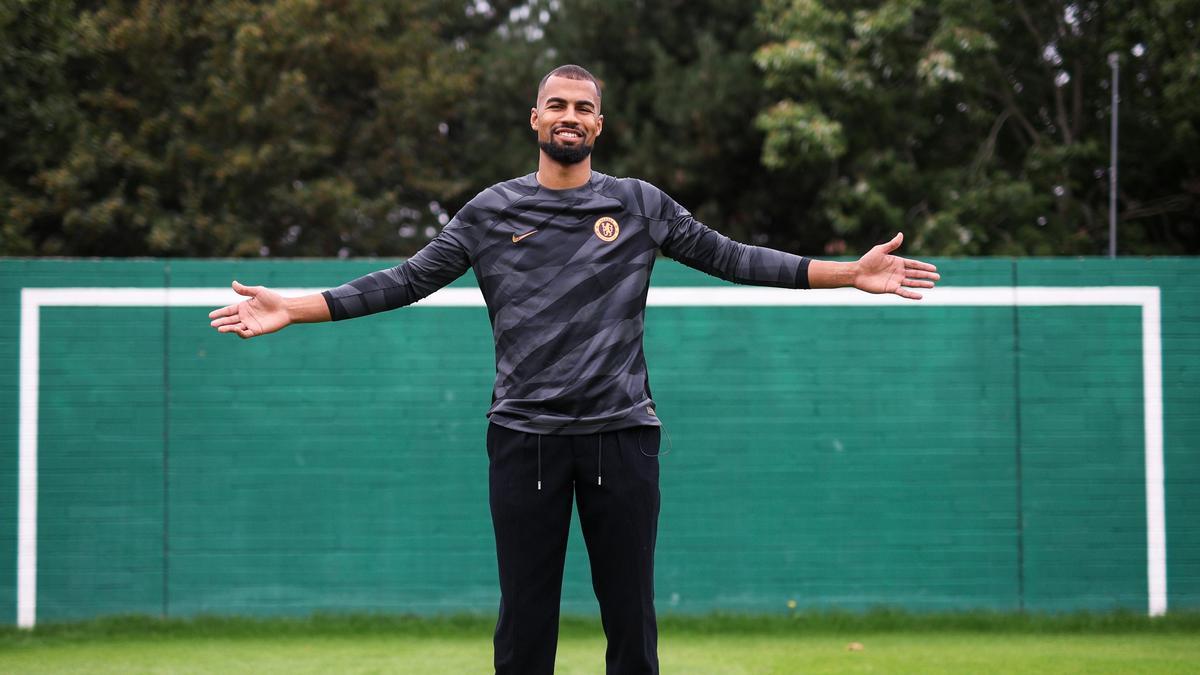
570, 72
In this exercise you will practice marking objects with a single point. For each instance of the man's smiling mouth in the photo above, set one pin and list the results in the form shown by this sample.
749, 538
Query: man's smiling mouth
568, 134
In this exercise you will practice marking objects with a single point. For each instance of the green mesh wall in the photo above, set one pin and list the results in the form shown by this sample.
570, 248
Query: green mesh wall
928, 457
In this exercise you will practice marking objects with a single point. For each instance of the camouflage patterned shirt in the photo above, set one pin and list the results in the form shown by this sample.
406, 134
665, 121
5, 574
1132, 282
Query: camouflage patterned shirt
565, 275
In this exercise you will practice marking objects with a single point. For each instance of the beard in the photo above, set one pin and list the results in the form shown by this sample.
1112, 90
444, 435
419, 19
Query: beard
564, 154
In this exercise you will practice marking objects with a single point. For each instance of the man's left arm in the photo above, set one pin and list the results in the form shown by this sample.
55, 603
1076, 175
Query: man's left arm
691, 242
876, 272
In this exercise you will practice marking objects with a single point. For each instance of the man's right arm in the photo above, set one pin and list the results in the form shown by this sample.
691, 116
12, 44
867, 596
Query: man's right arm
441, 261
307, 309
266, 312
444, 259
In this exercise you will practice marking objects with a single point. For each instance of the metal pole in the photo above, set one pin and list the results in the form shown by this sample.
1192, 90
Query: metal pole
1112, 159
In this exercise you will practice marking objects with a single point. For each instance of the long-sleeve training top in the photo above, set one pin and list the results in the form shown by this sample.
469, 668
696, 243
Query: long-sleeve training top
565, 275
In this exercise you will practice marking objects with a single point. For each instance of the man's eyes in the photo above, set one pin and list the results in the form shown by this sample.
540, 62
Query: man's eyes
585, 109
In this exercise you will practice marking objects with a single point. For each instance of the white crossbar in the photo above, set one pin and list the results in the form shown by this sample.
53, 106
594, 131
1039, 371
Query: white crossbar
1146, 297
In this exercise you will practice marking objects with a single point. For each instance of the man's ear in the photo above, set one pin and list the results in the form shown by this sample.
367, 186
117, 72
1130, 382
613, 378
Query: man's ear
599, 124
533, 118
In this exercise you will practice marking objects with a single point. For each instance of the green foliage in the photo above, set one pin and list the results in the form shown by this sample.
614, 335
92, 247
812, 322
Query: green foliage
982, 128
682, 94
799, 132
293, 127
327, 127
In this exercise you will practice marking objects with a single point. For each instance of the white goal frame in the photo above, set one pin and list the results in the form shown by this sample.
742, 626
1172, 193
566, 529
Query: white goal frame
1145, 297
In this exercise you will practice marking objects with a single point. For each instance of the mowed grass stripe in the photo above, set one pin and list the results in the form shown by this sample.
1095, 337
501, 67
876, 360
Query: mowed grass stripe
699, 654
810, 642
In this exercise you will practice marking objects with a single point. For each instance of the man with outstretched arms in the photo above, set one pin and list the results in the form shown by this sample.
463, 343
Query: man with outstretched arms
563, 257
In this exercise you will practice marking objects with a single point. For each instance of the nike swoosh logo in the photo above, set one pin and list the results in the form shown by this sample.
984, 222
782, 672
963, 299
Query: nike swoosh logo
517, 237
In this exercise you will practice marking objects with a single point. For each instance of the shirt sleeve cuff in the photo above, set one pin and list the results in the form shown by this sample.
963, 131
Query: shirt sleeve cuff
334, 314
802, 273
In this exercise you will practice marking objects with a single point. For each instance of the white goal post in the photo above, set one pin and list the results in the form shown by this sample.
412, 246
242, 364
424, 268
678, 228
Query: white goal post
1145, 297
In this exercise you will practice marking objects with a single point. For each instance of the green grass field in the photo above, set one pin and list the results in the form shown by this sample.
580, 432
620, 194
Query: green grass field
805, 643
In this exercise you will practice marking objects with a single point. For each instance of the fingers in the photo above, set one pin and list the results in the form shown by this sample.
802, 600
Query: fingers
911, 281
242, 289
239, 329
922, 274
919, 278
917, 274
894, 243
230, 310
229, 321
918, 265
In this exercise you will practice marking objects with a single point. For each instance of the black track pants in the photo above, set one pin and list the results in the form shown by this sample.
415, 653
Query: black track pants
614, 478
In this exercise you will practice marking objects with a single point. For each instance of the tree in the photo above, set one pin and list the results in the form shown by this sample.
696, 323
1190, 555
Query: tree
982, 128
681, 95
341, 127
290, 127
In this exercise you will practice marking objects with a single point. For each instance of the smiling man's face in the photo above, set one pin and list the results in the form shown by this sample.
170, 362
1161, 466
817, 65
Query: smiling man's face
567, 119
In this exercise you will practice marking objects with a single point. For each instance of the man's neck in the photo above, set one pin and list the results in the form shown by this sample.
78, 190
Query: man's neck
556, 176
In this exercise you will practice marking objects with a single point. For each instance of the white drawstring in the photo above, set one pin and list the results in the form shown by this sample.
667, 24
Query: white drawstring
660, 453
539, 461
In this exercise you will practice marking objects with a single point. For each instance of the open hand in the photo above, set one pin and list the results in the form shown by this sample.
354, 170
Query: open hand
881, 272
265, 312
